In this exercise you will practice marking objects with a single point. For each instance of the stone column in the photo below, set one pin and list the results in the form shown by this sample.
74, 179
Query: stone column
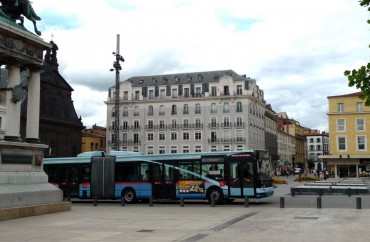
13, 107
33, 107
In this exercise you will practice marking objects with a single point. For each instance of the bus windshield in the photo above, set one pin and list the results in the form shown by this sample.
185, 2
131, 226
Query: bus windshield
263, 168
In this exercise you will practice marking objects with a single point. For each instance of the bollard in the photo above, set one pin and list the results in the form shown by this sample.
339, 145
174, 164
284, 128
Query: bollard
349, 192
282, 205
319, 205
95, 201
122, 202
182, 202
213, 201
246, 201
358, 202
320, 192
292, 191
151, 201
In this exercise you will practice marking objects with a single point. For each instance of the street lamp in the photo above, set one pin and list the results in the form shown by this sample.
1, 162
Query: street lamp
117, 67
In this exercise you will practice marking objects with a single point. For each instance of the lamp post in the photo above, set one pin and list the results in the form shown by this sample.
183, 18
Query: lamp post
117, 67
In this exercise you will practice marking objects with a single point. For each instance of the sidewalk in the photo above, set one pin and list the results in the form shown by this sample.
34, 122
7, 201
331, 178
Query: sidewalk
162, 223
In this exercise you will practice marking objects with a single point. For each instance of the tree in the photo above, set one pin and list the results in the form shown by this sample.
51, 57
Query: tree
361, 78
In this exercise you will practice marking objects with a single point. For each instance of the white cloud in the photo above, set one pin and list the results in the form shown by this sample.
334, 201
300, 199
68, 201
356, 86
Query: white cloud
296, 50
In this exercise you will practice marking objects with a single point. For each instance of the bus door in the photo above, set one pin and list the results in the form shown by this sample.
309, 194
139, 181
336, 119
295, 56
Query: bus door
102, 177
69, 180
240, 180
163, 181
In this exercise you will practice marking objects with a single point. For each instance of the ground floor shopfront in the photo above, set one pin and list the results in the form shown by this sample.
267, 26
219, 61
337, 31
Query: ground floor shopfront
340, 166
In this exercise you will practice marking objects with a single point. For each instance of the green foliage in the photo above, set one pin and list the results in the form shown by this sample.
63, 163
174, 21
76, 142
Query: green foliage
311, 164
361, 78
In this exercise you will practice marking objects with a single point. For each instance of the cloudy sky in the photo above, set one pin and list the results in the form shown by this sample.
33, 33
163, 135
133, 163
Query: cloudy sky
296, 50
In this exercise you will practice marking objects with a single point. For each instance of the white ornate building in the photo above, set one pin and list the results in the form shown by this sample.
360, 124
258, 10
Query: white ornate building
188, 112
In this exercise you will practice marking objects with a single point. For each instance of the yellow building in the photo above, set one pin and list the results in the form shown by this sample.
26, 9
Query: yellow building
349, 131
93, 139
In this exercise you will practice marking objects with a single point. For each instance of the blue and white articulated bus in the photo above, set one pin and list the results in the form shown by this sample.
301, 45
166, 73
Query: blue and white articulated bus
222, 175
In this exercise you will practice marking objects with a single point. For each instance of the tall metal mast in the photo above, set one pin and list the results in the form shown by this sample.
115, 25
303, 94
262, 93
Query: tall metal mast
117, 67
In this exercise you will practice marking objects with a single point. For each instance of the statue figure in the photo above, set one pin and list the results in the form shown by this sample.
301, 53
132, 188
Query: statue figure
13, 9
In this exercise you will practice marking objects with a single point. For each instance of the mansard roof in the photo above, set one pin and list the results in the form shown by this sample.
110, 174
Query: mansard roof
185, 78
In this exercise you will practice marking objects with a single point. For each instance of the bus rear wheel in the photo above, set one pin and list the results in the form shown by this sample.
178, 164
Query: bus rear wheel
129, 195
216, 194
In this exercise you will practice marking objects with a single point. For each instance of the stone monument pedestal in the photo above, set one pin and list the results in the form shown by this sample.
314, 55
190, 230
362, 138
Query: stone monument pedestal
24, 187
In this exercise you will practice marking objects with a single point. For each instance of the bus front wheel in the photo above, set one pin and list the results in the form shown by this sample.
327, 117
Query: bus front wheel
129, 195
216, 194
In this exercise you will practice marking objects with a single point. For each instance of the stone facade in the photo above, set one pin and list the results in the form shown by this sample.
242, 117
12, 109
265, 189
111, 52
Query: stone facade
188, 112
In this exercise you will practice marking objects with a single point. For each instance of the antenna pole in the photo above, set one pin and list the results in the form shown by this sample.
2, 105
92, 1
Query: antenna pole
117, 67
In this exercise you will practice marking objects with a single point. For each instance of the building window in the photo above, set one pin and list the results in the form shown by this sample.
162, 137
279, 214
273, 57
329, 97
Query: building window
125, 125
318, 147
185, 149
318, 140
136, 111
163, 93
198, 148
311, 140
198, 92
185, 136
124, 138
342, 146
186, 109
226, 108
359, 107
150, 124
213, 148
137, 95
226, 91
161, 110
226, 122
173, 136
239, 90
198, 123
239, 121
174, 110
150, 136
173, 123
360, 124
198, 135
125, 95
162, 149
125, 111
341, 124
197, 108
174, 93
239, 135
173, 149
213, 91
150, 150
186, 123
161, 124
239, 107
340, 107
150, 111
312, 148
361, 143
136, 124
213, 122
151, 94
136, 138
213, 136
162, 136
213, 108
186, 92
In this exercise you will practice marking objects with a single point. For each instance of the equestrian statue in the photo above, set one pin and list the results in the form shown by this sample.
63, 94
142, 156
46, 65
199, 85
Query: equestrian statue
14, 9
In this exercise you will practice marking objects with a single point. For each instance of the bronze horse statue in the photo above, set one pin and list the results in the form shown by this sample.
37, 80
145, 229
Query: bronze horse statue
14, 9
